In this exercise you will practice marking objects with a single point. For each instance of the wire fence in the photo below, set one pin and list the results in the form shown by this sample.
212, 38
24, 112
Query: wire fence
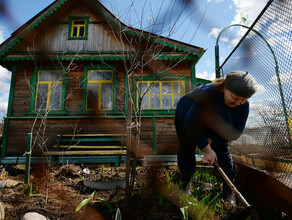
266, 52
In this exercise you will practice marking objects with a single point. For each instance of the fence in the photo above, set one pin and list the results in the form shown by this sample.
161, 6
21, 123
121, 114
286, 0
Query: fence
265, 51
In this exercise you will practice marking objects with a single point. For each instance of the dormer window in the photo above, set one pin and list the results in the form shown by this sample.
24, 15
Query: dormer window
78, 28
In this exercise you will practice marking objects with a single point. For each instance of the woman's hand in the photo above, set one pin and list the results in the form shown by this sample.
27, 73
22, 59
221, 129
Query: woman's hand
209, 154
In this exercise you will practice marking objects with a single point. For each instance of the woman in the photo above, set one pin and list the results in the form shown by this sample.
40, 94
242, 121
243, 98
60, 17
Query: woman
209, 117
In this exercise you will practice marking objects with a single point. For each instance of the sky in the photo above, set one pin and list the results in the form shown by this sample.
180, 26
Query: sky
199, 24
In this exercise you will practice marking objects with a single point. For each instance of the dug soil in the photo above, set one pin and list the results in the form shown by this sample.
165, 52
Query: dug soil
55, 192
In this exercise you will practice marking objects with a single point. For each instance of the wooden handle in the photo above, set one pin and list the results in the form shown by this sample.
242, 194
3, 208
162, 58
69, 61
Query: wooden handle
231, 185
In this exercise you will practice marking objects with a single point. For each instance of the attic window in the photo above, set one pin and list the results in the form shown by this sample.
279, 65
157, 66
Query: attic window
78, 28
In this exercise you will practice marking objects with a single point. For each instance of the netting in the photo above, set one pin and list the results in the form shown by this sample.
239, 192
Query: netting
265, 52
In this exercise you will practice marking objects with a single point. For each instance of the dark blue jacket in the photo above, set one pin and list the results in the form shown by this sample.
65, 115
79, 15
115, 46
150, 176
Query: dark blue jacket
202, 114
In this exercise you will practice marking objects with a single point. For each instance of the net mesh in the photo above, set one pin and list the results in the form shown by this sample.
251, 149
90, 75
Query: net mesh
265, 52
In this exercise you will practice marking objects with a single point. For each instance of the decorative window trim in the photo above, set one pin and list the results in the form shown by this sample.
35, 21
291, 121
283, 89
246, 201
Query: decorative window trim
33, 92
167, 77
84, 83
71, 19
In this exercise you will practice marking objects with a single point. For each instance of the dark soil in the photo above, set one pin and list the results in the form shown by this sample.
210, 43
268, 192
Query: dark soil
58, 191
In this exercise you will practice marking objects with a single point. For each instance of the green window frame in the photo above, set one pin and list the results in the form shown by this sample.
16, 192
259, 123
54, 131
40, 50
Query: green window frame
78, 28
48, 91
160, 94
157, 99
99, 86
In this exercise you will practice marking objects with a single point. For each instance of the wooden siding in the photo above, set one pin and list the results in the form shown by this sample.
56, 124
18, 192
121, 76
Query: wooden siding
54, 37
45, 137
21, 100
167, 140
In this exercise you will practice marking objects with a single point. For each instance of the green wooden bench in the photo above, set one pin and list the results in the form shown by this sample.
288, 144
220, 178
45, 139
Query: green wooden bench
107, 148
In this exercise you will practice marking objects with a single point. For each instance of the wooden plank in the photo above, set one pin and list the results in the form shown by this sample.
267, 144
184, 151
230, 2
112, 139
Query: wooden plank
89, 139
109, 152
91, 135
89, 147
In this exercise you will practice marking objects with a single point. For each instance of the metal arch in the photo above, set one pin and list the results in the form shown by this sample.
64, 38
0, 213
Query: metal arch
217, 67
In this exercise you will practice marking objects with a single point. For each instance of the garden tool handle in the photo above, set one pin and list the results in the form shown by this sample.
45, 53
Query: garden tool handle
231, 185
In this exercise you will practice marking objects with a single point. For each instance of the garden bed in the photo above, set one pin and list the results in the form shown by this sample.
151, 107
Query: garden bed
57, 192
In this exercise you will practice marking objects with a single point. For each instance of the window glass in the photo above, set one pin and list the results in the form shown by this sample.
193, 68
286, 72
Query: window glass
78, 27
56, 92
81, 32
42, 96
92, 95
49, 90
154, 88
166, 102
100, 89
145, 102
75, 32
166, 88
144, 89
82, 22
154, 102
106, 96
100, 75
175, 100
162, 94
50, 75
177, 88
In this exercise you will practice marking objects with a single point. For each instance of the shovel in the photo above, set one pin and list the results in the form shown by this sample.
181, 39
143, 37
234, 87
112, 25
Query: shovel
231, 185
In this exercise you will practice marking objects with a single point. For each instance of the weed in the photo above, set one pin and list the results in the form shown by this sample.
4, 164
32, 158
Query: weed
84, 202
117, 172
118, 215
107, 204
197, 209
102, 171
143, 189
202, 180
29, 189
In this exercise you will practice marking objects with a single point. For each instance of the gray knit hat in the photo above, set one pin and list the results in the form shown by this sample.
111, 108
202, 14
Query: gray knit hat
240, 83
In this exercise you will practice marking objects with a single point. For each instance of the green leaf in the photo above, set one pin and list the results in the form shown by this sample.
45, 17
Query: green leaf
107, 204
161, 200
185, 212
118, 215
212, 212
143, 188
84, 202
167, 176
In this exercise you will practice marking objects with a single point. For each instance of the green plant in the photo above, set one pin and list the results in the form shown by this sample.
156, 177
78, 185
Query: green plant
78, 194
118, 197
29, 189
197, 209
143, 189
84, 202
102, 171
118, 215
107, 204
199, 181
117, 172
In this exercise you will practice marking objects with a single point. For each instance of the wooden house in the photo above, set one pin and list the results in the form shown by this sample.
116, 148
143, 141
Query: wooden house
76, 67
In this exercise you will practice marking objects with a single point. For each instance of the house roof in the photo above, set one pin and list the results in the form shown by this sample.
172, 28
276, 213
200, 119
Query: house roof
34, 22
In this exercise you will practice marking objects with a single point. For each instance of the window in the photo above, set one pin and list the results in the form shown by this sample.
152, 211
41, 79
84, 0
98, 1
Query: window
49, 90
160, 94
78, 28
99, 89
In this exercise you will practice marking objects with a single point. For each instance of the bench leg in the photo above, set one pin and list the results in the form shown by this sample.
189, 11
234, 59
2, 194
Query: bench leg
117, 160
54, 159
